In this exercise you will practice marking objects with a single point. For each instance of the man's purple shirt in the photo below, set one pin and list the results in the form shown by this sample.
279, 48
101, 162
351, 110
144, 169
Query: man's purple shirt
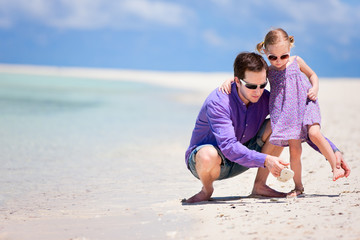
226, 122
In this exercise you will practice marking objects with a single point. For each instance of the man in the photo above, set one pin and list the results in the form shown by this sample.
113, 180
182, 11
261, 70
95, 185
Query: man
231, 133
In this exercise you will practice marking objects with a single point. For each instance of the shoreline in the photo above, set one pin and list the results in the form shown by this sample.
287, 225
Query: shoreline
196, 81
204, 81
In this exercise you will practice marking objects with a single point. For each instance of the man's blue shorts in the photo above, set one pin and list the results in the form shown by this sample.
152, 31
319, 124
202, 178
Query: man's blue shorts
228, 168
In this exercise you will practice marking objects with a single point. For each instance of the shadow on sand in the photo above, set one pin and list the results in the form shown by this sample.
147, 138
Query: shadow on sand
238, 199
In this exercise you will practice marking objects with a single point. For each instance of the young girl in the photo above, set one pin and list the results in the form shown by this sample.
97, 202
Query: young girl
294, 109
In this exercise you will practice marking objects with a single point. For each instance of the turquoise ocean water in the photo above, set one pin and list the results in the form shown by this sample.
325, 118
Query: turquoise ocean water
89, 146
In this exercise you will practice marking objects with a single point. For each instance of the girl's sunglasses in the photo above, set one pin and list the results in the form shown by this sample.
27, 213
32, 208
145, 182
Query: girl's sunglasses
282, 57
254, 86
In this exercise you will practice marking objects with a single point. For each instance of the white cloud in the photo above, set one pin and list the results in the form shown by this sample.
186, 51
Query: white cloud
79, 14
92, 14
332, 22
331, 18
222, 3
5, 23
162, 12
329, 11
211, 37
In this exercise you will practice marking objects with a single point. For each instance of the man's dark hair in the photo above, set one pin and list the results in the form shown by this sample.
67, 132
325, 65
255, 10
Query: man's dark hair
248, 61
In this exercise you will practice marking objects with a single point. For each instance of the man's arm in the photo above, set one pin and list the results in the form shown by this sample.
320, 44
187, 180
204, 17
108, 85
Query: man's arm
222, 127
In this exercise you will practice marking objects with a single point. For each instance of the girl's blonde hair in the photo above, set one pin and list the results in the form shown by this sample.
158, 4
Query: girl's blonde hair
273, 37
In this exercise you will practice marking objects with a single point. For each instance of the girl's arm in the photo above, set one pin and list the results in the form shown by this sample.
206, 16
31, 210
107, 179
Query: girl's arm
226, 86
313, 92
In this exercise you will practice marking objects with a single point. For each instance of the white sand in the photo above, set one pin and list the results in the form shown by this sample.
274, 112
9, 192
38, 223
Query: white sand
329, 210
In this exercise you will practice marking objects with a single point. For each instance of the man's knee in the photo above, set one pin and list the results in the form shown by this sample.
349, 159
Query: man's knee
207, 157
267, 132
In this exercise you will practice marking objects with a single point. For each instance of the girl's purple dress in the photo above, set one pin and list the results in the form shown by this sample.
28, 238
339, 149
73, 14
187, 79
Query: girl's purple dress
290, 109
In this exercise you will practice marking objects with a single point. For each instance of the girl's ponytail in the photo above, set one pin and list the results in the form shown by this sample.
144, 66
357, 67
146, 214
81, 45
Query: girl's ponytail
292, 41
260, 47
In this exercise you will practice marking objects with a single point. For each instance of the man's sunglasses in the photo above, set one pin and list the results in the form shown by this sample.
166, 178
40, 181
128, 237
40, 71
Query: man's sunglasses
282, 57
254, 86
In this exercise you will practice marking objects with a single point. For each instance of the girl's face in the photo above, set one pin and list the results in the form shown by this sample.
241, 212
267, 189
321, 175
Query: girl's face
278, 54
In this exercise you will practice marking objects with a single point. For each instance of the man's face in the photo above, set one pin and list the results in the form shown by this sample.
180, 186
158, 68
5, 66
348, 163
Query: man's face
246, 94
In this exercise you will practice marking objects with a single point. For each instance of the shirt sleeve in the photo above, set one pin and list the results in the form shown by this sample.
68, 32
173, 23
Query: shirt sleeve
222, 127
333, 147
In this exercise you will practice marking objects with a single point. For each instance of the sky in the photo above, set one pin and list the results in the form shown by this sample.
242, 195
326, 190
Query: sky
179, 35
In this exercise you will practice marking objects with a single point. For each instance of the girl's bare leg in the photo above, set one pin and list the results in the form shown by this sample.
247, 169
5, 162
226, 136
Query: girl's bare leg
318, 139
295, 164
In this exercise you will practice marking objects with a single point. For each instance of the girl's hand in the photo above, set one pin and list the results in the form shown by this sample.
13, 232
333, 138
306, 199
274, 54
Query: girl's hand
340, 163
312, 94
226, 86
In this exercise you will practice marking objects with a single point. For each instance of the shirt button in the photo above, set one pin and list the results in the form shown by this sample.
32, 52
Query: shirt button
246, 125
243, 135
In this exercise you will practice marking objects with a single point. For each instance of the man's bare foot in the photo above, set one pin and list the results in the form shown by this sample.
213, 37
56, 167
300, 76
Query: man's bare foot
266, 191
199, 197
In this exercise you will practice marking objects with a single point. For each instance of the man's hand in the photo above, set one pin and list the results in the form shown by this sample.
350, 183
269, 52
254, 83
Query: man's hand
340, 163
275, 165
